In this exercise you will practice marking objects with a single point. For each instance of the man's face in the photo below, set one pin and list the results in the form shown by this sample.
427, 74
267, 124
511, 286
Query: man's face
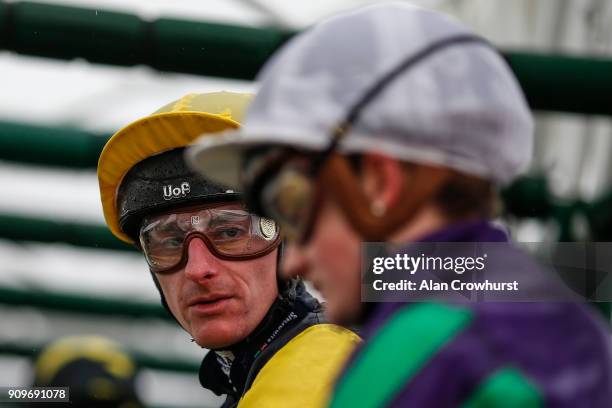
220, 302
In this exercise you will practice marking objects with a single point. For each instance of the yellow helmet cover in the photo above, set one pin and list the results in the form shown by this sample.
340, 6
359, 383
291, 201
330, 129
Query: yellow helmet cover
175, 125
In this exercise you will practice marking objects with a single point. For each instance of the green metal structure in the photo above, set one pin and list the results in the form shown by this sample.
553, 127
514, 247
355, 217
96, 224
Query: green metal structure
108, 37
84, 305
557, 83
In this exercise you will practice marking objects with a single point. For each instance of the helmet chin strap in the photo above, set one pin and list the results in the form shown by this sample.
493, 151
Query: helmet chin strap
287, 288
163, 300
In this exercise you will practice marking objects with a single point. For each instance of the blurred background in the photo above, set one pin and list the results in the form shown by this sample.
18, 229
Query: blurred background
74, 71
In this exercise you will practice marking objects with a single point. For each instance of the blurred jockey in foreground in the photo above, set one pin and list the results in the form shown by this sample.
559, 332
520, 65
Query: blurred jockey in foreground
397, 124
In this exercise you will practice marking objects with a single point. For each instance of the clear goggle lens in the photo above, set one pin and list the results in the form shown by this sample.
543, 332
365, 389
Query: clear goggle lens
229, 232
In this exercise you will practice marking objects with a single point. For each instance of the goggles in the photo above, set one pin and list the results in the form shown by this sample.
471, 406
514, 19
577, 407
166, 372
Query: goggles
287, 191
229, 232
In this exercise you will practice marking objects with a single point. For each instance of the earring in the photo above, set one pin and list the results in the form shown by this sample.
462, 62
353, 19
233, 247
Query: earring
378, 208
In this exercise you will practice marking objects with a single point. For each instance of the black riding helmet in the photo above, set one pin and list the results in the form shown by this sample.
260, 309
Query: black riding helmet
162, 182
